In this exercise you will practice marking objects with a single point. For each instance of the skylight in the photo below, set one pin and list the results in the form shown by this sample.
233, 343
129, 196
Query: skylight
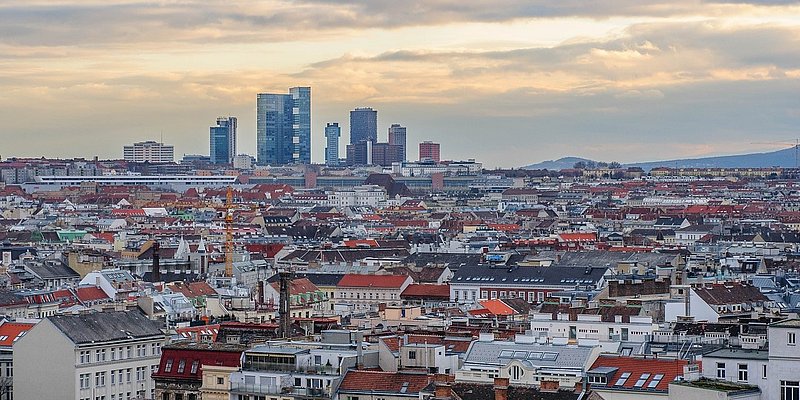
656, 380
642, 380
624, 377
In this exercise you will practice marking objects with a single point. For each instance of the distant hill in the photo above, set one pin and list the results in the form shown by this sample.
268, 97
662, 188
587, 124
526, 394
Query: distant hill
781, 158
785, 158
557, 165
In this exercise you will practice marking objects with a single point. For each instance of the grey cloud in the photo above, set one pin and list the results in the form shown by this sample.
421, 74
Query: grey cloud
108, 23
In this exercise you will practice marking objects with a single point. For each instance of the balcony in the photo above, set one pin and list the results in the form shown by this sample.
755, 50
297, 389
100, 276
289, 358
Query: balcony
315, 393
283, 367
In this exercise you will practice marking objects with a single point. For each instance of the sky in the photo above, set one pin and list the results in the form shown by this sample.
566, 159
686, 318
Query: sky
509, 83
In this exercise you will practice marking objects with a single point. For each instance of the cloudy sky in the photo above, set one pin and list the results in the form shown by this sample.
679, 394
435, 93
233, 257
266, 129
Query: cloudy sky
508, 83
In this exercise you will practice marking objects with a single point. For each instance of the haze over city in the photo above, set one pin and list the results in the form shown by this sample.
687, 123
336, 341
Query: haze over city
628, 81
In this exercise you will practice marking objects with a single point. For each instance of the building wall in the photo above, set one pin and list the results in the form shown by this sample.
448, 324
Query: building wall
755, 371
783, 359
45, 348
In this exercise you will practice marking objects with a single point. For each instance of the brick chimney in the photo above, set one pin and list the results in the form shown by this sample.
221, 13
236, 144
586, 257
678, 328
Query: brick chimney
549, 386
443, 391
500, 388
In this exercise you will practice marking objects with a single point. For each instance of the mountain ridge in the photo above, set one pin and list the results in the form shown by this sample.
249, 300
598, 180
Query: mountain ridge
784, 158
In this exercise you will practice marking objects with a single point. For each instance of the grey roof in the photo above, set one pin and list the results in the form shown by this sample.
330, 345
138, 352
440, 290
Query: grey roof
499, 353
789, 323
528, 276
739, 354
52, 270
106, 326
599, 258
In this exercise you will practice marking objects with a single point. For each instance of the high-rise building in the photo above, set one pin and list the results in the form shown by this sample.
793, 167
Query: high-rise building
429, 151
283, 127
363, 125
359, 153
385, 154
332, 134
397, 136
223, 140
149, 151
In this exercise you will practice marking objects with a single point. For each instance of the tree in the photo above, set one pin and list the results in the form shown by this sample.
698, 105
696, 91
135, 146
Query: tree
579, 165
614, 165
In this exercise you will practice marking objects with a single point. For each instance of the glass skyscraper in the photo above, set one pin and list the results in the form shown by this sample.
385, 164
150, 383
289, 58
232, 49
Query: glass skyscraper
363, 125
397, 136
283, 127
332, 134
223, 141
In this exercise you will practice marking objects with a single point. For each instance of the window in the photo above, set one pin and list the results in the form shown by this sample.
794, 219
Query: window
165, 396
220, 380
622, 379
720, 370
790, 390
642, 379
412, 355
168, 366
178, 396
181, 366
791, 339
742, 373
597, 379
298, 382
85, 356
655, 381
764, 371
195, 363
128, 375
113, 378
100, 378
85, 381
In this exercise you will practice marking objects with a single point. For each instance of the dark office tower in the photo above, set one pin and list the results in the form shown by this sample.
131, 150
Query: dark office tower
223, 141
332, 134
363, 125
283, 127
397, 136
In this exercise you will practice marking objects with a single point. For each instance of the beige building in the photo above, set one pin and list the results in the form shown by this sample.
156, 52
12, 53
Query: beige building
216, 382
105, 355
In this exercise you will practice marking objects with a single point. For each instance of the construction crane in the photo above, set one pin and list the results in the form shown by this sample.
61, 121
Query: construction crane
796, 146
229, 233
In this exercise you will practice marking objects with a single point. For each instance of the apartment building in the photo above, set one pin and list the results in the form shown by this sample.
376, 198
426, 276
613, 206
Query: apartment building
96, 356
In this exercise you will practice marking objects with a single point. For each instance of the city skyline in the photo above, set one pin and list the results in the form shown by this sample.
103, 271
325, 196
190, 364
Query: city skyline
635, 81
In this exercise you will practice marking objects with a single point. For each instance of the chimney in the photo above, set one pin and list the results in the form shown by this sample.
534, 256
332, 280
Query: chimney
359, 350
549, 386
156, 262
500, 388
443, 391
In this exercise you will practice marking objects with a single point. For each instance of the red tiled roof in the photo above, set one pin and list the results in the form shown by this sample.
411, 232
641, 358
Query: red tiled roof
578, 237
10, 331
729, 293
376, 281
497, 307
297, 286
385, 382
186, 362
192, 289
636, 367
195, 332
90, 293
426, 290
